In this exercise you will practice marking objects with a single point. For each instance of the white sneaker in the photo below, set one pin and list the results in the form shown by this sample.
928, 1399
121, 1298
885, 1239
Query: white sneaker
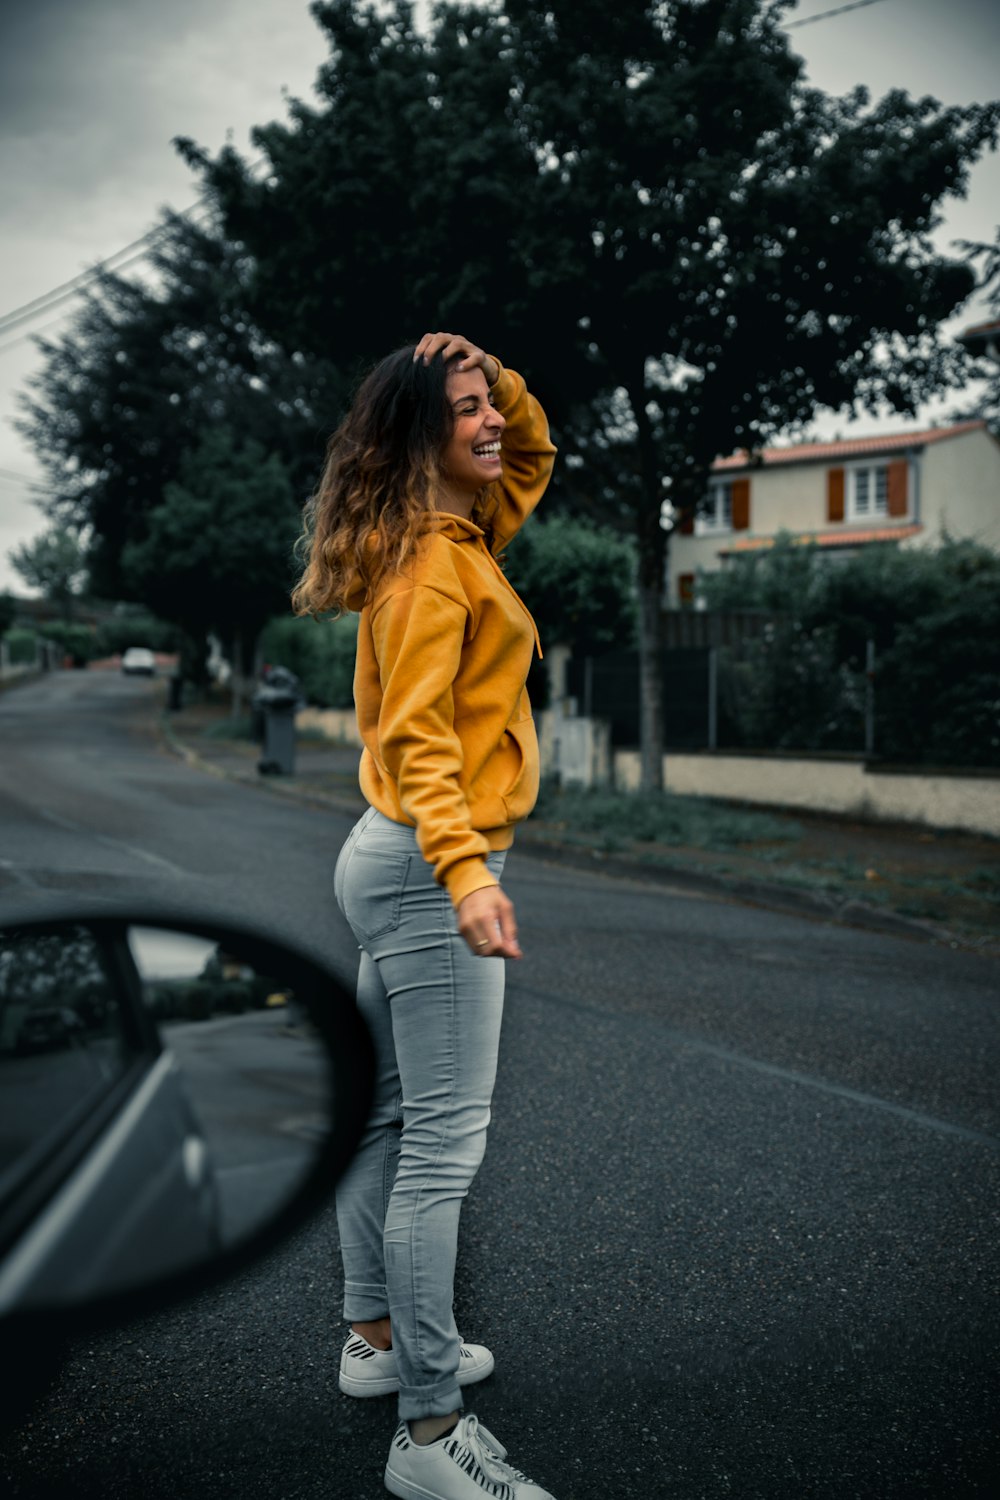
468, 1464
366, 1371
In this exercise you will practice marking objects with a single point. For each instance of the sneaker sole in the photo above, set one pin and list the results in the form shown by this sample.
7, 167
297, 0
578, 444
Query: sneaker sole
362, 1389
407, 1489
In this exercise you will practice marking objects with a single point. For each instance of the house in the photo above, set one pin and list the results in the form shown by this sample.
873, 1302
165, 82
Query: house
912, 488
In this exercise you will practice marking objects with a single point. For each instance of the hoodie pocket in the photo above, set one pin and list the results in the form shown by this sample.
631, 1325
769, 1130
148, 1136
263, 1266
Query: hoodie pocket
520, 757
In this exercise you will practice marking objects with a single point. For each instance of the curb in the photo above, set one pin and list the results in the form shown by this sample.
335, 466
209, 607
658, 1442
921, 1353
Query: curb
818, 905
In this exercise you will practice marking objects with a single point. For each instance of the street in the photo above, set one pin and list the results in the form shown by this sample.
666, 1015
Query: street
736, 1230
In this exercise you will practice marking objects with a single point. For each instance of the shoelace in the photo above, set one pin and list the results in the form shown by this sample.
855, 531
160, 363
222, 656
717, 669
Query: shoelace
492, 1452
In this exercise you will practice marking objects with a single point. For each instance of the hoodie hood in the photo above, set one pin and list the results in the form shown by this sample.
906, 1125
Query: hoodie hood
443, 523
455, 528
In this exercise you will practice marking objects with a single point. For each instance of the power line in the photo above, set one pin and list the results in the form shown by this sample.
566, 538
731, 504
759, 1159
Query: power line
71, 289
22, 338
33, 484
825, 14
67, 290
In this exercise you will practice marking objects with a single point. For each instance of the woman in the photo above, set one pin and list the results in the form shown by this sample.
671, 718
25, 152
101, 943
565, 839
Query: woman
438, 463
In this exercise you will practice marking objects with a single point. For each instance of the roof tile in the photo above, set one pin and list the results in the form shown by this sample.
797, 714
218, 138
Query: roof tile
849, 448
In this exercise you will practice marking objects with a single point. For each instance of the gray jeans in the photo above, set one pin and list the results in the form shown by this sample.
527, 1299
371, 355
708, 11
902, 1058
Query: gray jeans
434, 1013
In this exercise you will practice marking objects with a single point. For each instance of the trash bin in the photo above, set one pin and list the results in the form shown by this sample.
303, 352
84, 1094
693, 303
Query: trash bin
175, 694
274, 707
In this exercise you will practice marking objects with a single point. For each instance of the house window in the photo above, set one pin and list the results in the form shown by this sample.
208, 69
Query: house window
868, 492
717, 512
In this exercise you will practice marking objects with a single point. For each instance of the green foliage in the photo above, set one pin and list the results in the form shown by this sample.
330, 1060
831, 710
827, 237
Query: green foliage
985, 367
54, 563
232, 728
130, 626
690, 822
217, 550
695, 265
578, 580
786, 689
934, 617
8, 612
787, 576
140, 380
319, 652
22, 645
78, 642
703, 250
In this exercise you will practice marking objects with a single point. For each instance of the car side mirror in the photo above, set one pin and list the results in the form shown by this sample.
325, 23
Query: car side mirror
176, 1098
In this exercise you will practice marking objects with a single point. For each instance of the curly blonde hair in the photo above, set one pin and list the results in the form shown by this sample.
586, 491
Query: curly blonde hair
381, 478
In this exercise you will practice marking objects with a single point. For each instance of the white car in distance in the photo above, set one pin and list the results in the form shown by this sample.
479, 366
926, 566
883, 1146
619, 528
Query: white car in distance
139, 661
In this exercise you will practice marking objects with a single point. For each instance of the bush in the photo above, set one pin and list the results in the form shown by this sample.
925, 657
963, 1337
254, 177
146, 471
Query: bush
319, 652
78, 642
578, 580
786, 690
134, 627
934, 617
22, 646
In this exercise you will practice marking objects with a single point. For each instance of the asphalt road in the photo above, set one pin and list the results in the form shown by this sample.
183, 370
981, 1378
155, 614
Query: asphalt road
259, 1091
736, 1231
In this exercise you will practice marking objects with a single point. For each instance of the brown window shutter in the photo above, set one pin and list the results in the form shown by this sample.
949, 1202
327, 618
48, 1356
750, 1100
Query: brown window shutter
897, 496
741, 504
834, 494
685, 588
686, 528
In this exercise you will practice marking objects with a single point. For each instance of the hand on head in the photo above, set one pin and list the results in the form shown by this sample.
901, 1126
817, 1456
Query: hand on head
451, 344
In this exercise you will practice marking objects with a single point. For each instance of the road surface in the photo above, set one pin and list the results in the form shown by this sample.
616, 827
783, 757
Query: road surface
736, 1231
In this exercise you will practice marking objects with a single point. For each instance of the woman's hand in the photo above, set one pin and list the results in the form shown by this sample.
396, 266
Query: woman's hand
486, 921
447, 344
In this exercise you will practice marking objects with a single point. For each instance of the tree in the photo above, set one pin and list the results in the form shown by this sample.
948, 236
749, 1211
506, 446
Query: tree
55, 564
218, 550
984, 346
147, 378
685, 247
8, 612
934, 618
578, 580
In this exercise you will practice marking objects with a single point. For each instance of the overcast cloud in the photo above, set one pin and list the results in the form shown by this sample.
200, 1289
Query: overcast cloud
93, 91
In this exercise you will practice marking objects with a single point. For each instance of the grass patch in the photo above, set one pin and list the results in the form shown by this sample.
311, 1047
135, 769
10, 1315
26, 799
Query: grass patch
240, 728
663, 818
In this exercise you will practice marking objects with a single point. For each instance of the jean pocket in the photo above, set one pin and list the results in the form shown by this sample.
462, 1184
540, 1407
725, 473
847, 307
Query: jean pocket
371, 891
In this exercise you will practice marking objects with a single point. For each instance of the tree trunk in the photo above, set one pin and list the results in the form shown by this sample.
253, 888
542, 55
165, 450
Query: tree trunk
243, 654
650, 686
652, 554
237, 678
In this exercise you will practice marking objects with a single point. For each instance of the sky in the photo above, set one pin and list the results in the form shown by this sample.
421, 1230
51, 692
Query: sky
93, 91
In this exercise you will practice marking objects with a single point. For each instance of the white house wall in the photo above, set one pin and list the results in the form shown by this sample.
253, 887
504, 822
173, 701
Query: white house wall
954, 486
960, 490
792, 499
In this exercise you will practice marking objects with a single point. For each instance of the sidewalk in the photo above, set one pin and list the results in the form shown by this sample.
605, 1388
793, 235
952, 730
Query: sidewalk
937, 887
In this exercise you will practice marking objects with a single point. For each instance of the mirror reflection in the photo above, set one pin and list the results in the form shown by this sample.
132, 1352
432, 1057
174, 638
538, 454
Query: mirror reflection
161, 1097
255, 1075
62, 1042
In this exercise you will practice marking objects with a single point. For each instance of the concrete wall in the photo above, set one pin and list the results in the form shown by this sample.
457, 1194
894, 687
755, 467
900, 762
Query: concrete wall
337, 724
580, 750
935, 800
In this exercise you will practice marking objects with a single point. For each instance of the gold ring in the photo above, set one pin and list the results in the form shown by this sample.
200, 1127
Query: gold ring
485, 943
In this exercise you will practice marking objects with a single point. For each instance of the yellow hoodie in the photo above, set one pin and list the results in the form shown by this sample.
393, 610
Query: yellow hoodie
443, 653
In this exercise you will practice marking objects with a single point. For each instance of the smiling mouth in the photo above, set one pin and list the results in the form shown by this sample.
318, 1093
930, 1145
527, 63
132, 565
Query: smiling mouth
488, 451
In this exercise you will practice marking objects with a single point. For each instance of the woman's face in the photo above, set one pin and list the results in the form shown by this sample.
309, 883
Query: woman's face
471, 456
